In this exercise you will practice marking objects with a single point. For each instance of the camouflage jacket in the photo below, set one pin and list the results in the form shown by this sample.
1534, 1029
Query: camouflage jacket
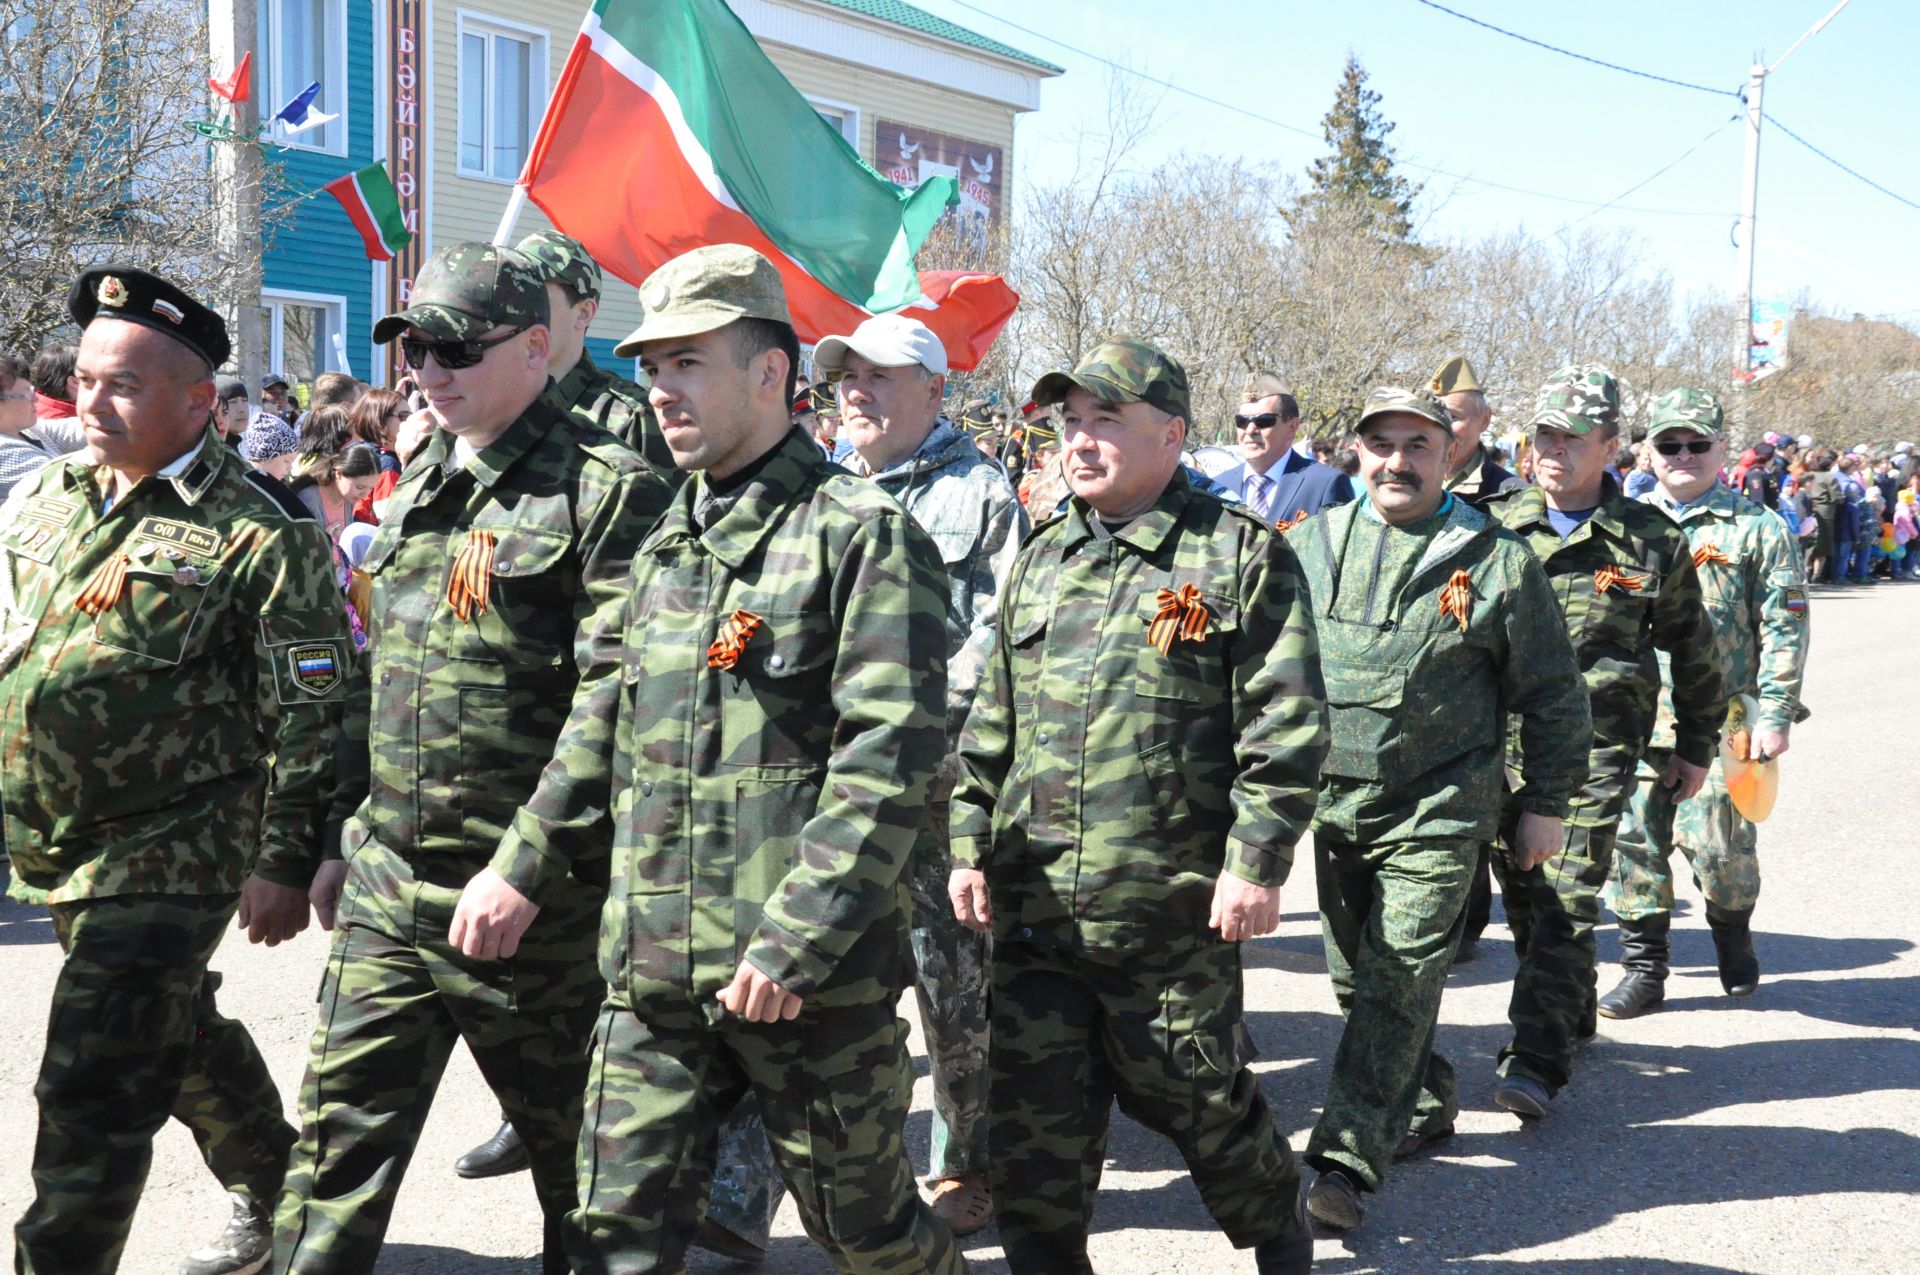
965, 503
594, 396
158, 746
1106, 785
466, 712
1417, 698
779, 728
1756, 598
1651, 603
1481, 479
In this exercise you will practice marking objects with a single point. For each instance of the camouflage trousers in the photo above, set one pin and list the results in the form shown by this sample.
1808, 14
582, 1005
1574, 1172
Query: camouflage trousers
1717, 840
1552, 909
1161, 1032
134, 1035
1390, 917
950, 980
393, 1002
834, 1087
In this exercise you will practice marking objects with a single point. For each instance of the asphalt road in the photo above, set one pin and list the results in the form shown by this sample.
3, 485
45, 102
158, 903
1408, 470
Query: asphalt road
1776, 1134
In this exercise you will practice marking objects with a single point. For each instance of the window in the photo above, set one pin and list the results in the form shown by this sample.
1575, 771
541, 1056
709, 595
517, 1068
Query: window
844, 118
304, 41
299, 327
503, 89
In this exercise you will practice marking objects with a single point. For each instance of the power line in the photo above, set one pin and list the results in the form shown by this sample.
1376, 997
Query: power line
1858, 176
1554, 48
1661, 172
1293, 128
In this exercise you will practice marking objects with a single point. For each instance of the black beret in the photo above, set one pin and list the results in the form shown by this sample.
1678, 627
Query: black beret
135, 296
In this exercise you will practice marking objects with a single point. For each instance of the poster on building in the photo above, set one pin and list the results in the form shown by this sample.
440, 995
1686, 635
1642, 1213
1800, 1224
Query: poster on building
1767, 347
909, 154
406, 24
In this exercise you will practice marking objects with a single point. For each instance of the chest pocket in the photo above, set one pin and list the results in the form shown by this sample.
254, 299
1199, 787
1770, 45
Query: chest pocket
529, 619
35, 541
777, 700
1363, 709
1618, 616
1027, 636
159, 609
1193, 670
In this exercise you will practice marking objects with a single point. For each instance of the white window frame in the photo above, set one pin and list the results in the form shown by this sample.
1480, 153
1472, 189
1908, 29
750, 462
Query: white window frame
849, 117
275, 301
473, 22
276, 92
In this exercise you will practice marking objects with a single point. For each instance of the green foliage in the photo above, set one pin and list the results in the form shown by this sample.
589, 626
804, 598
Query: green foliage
1359, 173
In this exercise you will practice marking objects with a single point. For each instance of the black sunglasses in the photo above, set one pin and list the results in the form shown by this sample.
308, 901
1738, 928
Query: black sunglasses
1694, 446
454, 355
1266, 420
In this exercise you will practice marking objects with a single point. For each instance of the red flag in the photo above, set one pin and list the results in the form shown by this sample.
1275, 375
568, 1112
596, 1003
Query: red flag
239, 82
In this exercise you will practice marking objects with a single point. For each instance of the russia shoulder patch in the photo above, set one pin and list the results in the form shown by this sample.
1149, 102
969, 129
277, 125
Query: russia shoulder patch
1796, 599
314, 668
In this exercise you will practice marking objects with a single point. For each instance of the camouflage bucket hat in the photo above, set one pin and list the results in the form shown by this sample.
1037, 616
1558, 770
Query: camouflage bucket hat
1390, 400
1695, 410
1122, 370
705, 289
466, 290
564, 261
1578, 398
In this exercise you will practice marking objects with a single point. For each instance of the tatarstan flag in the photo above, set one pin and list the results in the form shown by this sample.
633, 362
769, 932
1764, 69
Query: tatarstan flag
670, 129
374, 209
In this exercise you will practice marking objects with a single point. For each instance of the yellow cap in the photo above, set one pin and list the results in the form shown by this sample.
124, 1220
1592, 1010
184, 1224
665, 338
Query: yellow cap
1455, 375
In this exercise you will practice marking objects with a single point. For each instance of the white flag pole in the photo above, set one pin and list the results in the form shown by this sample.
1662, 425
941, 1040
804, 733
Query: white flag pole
515, 202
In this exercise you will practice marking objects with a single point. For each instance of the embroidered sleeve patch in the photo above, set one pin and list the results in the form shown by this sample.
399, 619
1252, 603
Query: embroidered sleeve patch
182, 535
314, 668
1796, 600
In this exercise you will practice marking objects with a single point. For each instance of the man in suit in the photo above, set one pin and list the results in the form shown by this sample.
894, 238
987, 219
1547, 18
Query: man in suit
1272, 479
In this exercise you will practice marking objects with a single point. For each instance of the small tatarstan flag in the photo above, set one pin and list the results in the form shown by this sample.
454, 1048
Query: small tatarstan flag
374, 209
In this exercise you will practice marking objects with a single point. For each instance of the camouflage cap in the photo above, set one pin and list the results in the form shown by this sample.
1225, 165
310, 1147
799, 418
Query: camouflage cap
466, 290
1455, 376
564, 261
705, 289
1391, 400
1579, 398
1695, 410
1122, 370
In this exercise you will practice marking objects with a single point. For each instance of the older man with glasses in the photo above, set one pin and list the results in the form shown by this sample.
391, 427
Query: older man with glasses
1273, 480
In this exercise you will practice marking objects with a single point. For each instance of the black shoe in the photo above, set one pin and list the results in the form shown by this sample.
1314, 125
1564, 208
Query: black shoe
242, 1249
499, 1155
1290, 1254
716, 1238
1633, 996
1643, 959
1418, 1140
1523, 1096
1733, 948
1337, 1200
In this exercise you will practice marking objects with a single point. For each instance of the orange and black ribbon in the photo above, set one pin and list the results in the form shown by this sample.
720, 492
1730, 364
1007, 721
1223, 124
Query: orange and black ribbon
104, 589
472, 576
1710, 553
1182, 615
1456, 599
1288, 524
735, 632
1612, 577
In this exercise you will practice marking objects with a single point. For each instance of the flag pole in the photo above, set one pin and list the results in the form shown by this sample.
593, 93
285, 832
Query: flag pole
515, 202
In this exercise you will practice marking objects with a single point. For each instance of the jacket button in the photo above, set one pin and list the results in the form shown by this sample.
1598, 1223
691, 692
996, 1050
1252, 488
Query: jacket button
1042, 740
87, 539
1026, 931
646, 789
504, 568
386, 679
776, 660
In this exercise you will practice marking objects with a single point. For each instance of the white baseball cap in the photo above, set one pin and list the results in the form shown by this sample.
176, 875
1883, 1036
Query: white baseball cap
1901, 449
889, 340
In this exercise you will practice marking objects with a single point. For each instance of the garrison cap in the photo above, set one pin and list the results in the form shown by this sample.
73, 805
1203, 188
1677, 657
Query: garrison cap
1695, 410
466, 290
1455, 375
1579, 398
705, 289
136, 296
1390, 400
1122, 370
563, 260
1261, 385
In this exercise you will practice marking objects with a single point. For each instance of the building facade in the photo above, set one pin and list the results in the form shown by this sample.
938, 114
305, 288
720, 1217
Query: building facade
450, 94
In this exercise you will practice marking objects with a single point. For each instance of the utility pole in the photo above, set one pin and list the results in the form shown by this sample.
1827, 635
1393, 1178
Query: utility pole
1749, 208
232, 32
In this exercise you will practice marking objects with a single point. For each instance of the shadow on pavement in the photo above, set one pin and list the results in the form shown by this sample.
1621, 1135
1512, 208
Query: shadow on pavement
427, 1259
21, 923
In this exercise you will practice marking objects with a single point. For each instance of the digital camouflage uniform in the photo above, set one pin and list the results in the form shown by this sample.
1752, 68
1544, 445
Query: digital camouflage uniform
589, 393
1750, 576
963, 501
466, 710
1418, 696
158, 750
1106, 786
1652, 603
778, 731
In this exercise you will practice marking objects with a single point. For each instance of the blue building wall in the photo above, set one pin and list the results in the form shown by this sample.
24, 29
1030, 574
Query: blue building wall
316, 249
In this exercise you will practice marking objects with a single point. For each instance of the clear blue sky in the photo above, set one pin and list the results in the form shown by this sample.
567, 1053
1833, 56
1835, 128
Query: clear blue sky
1480, 104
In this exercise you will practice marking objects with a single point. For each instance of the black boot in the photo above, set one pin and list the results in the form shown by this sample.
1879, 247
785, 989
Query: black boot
1733, 947
501, 1154
1643, 962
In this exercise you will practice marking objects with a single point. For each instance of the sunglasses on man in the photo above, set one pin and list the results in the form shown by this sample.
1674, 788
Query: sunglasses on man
454, 355
1692, 446
1264, 421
